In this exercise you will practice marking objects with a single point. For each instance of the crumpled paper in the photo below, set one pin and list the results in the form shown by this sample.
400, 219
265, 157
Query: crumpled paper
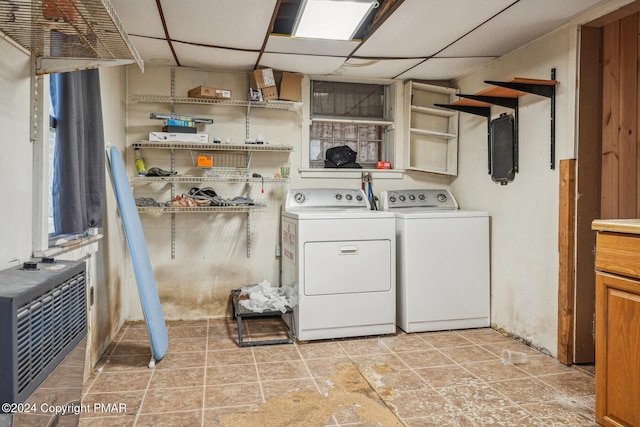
265, 297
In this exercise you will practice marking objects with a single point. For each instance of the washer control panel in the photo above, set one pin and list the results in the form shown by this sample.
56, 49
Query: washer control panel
421, 198
326, 198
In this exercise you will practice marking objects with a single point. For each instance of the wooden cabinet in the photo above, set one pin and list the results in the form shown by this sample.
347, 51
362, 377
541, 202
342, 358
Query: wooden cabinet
432, 132
618, 323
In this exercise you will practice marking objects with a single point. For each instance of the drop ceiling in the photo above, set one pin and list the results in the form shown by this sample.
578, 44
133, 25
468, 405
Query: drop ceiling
409, 39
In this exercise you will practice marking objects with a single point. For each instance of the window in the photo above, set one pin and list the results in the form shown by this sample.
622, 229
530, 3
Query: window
53, 124
352, 114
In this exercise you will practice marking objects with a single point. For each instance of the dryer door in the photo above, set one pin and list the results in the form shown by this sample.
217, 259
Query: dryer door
349, 266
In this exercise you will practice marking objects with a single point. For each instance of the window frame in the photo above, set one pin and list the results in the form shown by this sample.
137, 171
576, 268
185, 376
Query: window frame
42, 238
393, 128
40, 139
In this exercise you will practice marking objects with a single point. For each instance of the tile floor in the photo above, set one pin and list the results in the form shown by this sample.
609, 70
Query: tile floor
452, 378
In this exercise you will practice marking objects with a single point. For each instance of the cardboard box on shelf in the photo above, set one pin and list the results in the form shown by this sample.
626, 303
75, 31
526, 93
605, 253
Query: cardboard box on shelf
209, 92
269, 93
290, 87
264, 78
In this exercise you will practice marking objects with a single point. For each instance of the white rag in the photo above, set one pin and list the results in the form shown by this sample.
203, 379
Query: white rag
263, 297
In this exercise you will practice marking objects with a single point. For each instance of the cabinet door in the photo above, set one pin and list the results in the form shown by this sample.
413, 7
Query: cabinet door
617, 351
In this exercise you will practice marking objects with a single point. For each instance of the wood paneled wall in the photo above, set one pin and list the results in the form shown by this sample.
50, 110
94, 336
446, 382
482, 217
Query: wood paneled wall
620, 164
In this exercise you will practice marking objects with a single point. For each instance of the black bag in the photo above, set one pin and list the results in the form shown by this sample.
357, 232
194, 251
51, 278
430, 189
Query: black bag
341, 157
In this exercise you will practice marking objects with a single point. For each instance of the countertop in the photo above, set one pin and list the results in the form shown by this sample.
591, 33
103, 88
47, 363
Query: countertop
628, 226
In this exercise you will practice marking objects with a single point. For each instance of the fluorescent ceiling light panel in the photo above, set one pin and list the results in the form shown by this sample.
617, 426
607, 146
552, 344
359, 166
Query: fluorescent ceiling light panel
331, 19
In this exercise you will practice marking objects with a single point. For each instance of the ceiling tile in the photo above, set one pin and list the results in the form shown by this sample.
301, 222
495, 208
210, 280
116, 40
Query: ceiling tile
214, 58
305, 64
153, 51
444, 68
420, 28
286, 44
518, 25
129, 13
240, 24
385, 68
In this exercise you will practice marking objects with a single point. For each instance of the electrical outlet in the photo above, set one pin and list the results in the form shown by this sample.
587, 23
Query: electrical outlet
278, 250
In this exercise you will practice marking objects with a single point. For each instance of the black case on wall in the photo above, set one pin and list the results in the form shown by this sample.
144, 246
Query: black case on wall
504, 149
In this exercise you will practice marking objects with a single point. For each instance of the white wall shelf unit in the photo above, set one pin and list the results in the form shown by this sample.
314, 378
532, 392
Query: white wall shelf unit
442, 135
163, 99
232, 161
431, 132
237, 169
212, 147
205, 209
172, 100
202, 179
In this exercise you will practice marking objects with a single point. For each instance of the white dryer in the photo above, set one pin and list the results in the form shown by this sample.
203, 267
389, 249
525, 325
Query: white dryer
442, 261
341, 256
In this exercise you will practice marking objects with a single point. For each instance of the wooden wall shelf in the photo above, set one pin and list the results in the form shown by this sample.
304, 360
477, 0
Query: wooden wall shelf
506, 94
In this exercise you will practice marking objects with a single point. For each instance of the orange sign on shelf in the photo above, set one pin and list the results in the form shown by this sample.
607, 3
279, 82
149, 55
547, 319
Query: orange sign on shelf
204, 161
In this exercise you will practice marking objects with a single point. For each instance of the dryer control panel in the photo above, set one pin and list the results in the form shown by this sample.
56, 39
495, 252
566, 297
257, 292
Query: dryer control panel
326, 198
420, 198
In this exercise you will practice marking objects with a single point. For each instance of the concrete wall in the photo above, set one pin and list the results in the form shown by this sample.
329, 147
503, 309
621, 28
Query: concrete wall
110, 309
16, 161
524, 213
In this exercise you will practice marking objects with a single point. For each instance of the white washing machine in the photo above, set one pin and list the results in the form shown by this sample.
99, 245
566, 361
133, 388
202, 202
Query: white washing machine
443, 279
341, 256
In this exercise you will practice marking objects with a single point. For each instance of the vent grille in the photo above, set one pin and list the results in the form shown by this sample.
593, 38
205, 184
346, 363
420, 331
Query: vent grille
46, 325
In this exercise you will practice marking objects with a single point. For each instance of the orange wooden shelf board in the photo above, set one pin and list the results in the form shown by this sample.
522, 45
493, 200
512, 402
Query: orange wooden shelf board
501, 92
534, 81
470, 103
504, 92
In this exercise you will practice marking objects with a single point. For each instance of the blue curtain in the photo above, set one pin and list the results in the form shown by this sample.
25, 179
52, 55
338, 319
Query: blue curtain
79, 169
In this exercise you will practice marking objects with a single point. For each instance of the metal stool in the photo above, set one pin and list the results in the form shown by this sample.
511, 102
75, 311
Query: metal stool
240, 312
